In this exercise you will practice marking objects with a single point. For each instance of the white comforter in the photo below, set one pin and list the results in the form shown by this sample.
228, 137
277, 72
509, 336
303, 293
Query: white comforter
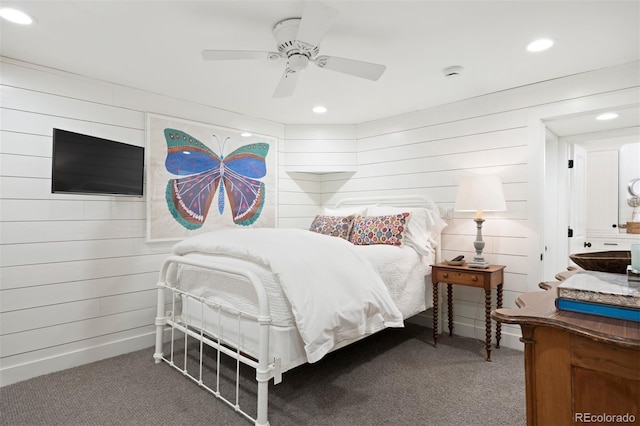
335, 294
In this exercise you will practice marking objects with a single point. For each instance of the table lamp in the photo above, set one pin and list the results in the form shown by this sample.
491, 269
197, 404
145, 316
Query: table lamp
478, 194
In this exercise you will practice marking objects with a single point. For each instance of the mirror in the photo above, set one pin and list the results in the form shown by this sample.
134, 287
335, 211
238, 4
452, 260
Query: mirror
634, 187
629, 187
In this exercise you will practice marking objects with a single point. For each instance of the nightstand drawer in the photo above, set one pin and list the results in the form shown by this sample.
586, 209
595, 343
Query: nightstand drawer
458, 277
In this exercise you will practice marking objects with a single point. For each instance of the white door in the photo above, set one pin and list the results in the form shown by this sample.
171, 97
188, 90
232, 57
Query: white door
602, 192
556, 207
578, 200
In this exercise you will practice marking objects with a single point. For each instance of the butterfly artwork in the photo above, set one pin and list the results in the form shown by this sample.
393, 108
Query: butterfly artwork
203, 174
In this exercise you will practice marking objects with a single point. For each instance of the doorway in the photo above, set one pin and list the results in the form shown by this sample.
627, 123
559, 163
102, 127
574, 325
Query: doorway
565, 190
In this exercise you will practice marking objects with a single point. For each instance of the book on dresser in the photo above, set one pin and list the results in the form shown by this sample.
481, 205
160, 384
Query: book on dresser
599, 293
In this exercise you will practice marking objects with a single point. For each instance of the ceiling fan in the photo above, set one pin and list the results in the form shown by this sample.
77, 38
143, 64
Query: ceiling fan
298, 41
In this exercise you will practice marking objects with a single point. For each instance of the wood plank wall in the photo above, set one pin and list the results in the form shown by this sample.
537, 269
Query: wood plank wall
431, 159
321, 150
429, 151
78, 277
329, 150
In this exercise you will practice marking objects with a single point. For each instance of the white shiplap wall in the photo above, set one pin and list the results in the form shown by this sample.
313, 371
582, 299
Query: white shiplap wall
429, 151
78, 276
431, 159
321, 149
312, 152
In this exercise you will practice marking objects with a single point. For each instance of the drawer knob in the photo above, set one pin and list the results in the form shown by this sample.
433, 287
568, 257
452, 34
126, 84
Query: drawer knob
446, 275
474, 278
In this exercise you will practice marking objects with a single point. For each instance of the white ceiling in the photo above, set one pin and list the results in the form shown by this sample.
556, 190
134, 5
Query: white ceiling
156, 46
587, 126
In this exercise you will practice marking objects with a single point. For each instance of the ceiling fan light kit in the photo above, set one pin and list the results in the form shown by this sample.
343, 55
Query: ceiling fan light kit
298, 61
298, 41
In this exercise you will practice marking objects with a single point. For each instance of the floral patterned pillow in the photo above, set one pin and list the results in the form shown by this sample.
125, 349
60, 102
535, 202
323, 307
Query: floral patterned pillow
388, 229
336, 226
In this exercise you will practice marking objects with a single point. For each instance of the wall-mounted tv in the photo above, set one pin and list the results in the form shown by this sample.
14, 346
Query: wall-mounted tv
90, 165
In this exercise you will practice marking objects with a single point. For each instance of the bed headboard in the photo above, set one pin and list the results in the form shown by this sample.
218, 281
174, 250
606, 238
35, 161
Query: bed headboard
392, 200
397, 201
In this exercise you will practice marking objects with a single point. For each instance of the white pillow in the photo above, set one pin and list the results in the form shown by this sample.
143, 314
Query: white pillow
345, 211
423, 227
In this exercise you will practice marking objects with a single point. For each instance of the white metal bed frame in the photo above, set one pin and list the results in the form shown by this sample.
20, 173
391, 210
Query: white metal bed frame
266, 368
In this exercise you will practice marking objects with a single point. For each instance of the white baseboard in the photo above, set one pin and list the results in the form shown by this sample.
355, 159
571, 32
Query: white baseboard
424, 319
508, 339
20, 372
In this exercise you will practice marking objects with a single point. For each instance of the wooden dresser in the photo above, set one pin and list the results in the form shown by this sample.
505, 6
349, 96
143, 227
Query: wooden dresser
578, 368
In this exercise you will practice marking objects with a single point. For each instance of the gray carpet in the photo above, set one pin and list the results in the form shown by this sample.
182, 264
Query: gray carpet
395, 377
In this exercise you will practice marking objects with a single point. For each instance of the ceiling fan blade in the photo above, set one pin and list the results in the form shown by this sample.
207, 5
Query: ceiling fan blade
225, 55
287, 84
316, 21
353, 67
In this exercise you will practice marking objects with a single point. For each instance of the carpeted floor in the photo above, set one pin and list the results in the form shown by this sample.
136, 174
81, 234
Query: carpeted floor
395, 377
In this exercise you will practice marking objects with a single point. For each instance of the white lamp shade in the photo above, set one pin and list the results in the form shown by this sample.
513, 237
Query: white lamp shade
480, 193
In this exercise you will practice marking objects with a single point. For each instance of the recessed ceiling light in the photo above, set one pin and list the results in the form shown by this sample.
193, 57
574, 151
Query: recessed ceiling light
540, 45
607, 116
319, 109
245, 134
16, 16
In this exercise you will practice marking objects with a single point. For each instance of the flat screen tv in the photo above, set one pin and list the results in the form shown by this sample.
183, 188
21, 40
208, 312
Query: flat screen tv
90, 165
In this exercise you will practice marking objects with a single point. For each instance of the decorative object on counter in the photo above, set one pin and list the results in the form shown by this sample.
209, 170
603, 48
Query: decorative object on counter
635, 203
633, 226
603, 261
634, 187
599, 293
478, 194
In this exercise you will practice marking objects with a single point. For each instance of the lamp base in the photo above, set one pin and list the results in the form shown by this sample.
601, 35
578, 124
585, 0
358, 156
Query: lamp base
476, 264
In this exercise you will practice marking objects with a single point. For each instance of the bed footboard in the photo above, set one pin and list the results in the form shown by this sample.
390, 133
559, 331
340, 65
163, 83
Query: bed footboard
265, 367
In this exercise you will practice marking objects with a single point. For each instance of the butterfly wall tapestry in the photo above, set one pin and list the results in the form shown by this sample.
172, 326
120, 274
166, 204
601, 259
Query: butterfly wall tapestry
206, 178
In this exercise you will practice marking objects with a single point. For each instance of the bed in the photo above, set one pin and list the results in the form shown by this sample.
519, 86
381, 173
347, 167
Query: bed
274, 299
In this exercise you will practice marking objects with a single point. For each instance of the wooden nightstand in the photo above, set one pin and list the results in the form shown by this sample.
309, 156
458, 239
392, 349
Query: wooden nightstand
489, 278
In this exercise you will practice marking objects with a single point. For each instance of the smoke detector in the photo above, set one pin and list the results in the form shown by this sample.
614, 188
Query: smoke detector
452, 71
